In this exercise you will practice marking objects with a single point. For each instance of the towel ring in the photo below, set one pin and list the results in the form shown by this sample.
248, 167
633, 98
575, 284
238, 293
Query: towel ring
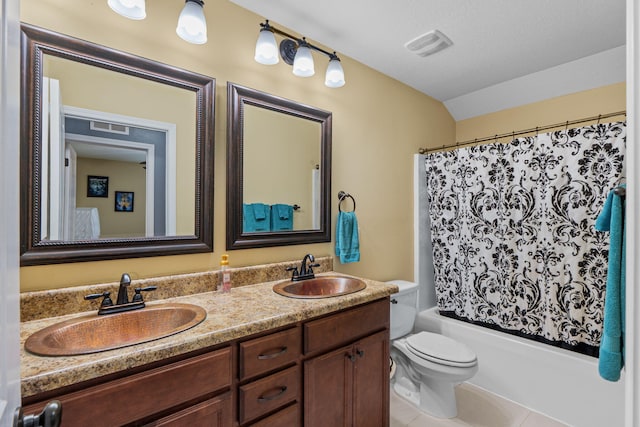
341, 196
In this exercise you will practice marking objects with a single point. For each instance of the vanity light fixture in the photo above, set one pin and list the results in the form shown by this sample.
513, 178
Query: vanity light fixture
192, 26
296, 52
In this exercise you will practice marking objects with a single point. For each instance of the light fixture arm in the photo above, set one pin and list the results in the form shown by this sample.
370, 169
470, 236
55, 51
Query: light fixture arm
299, 41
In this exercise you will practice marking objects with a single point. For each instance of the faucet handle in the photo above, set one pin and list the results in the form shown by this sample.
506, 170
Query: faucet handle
311, 267
137, 297
295, 272
106, 301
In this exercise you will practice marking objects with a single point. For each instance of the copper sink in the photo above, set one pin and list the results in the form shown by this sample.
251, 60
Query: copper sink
93, 333
319, 287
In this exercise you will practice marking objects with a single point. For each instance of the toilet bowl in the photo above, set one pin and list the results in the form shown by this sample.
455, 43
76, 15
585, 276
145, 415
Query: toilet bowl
428, 365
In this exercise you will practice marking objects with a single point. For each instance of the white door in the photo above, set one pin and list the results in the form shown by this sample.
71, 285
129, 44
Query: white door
53, 163
9, 226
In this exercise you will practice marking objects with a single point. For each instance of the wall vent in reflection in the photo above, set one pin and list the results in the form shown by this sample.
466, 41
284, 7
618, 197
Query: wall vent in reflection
109, 127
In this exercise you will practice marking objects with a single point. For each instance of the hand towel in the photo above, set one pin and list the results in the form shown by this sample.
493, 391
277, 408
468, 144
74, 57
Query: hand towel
347, 239
611, 357
281, 217
259, 211
256, 217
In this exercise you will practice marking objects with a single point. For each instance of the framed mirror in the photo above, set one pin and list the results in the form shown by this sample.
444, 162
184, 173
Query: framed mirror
278, 171
116, 153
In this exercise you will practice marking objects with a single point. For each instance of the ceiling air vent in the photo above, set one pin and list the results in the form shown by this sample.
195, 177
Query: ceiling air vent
428, 43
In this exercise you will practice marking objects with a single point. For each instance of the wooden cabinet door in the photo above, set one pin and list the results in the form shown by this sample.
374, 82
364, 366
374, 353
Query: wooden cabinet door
328, 389
371, 381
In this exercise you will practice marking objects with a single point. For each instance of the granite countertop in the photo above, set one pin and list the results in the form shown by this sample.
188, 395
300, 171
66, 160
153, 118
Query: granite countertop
244, 311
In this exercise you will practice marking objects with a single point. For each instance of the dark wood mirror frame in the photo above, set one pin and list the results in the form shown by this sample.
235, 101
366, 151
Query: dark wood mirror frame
35, 42
237, 98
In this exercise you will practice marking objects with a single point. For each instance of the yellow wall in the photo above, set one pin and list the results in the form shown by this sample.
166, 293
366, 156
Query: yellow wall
378, 124
576, 106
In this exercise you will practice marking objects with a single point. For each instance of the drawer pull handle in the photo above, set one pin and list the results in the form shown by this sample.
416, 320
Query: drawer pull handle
274, 396
276, 353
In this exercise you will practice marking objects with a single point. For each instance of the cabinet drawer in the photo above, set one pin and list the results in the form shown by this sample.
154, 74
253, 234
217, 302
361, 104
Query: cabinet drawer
272, 392
289, 417
347, 326
216, 412
141, 395
267, 353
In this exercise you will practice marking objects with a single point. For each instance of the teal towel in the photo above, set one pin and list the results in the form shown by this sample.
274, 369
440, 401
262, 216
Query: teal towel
256, 217
281, 217
347, 240
611, 358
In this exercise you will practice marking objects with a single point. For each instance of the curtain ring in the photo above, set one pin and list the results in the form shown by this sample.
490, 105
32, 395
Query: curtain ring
496, 141
566, 126
599, 117
536, 131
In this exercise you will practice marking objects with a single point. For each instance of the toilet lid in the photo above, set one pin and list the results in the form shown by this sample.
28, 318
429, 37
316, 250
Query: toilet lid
440, 349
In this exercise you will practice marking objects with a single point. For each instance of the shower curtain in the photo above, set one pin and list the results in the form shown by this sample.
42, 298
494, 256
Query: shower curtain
512, 227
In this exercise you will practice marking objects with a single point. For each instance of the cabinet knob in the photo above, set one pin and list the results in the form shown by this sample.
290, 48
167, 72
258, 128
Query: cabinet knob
360, 353
350, 357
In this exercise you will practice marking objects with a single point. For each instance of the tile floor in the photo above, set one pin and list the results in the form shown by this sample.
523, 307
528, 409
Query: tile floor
476, 408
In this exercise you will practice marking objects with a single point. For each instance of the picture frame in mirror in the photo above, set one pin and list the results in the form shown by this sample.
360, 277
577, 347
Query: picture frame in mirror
97, 186
124, 201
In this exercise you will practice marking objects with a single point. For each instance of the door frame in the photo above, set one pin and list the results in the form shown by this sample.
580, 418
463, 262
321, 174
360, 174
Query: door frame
148, 149
9, 215
169, 130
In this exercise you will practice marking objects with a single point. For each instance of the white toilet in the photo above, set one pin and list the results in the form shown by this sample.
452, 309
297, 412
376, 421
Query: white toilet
427, 365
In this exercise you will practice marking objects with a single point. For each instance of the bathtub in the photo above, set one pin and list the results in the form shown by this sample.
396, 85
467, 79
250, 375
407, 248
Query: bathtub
556, 382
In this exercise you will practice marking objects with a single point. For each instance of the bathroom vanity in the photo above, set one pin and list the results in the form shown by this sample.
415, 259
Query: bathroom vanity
258, 359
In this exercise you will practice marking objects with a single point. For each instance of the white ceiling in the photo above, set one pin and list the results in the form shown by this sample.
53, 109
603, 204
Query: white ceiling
494, 41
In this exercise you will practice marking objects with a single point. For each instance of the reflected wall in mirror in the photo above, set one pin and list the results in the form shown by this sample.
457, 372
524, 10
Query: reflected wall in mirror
278, 171
88, 110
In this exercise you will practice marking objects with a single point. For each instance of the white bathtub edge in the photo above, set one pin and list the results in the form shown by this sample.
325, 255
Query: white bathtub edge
558, 383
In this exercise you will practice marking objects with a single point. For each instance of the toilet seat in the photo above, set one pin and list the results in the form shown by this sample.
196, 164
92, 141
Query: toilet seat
442, 350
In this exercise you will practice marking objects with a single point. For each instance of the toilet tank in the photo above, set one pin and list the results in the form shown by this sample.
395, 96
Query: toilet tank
404, 307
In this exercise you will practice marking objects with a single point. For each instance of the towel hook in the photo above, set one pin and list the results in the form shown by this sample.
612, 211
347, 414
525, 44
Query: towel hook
341, 196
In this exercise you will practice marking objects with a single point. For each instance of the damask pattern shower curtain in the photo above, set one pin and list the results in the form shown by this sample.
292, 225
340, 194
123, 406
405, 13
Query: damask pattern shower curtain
512, 227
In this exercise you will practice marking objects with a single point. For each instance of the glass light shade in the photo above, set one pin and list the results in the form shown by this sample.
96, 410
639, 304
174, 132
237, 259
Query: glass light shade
192, 26
266, 48
303, 62
335, 74
132, 9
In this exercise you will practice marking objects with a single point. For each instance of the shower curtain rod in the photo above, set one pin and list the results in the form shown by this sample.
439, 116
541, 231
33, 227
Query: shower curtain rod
524, 131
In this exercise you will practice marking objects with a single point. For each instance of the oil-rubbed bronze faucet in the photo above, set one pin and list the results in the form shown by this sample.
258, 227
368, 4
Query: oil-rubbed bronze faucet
122, 301
306, 271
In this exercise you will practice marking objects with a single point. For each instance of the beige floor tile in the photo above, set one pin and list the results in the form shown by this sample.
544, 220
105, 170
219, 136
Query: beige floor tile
424, 420
476, 408
538, 420
402, 412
